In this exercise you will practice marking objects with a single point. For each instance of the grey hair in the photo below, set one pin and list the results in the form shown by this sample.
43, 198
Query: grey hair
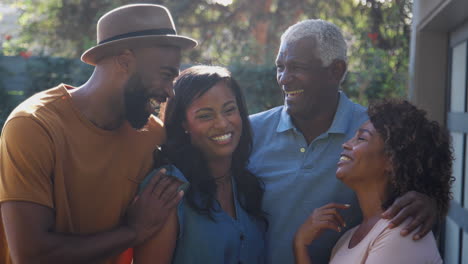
330, 41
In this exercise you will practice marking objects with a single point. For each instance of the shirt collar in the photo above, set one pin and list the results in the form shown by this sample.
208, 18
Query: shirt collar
285, 122
343, 115
340, 121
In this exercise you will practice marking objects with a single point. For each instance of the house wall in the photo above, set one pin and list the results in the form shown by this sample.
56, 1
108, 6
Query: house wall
438, 83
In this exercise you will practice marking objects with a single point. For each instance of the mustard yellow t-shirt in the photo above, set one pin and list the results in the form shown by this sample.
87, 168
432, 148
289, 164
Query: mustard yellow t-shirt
51, 155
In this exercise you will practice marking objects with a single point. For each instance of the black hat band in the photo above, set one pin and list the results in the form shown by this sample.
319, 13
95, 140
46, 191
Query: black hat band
149, 32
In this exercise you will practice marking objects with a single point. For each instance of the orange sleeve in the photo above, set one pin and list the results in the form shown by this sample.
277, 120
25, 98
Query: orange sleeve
26, 162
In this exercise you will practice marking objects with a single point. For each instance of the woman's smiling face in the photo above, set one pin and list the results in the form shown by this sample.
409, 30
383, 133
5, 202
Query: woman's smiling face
213, 122
363, 159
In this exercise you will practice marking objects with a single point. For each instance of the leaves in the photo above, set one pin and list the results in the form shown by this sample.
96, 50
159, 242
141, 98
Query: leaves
244, 32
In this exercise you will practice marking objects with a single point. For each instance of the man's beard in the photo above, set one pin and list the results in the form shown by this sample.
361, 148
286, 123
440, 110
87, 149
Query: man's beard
136, 100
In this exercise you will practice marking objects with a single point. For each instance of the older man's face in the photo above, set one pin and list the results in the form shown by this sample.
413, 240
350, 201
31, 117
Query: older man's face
304, 81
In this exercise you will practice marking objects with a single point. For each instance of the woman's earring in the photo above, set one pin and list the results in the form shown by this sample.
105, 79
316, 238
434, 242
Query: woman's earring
186, 132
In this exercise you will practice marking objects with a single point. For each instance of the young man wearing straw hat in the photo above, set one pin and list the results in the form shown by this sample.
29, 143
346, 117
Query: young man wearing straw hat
71, 158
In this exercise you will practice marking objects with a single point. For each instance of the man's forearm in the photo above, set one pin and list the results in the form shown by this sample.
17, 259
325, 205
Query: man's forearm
62, 248
36, 242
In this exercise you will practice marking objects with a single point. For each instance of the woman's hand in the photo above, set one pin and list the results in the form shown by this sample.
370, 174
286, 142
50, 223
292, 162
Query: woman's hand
325, 217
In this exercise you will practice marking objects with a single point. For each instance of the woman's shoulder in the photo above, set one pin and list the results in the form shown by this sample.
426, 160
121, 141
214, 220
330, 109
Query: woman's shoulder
389, 243
382, 233
382, 230
385, 245
171, 170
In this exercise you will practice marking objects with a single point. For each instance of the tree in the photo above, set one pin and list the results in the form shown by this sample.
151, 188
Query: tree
237, 32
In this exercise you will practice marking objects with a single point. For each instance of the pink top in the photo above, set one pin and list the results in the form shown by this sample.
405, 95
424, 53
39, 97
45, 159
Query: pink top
384, 246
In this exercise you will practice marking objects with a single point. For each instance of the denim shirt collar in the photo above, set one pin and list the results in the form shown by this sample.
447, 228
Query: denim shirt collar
340, 122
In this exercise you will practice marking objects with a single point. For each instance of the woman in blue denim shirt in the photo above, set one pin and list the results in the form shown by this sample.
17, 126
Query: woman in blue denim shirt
220, 219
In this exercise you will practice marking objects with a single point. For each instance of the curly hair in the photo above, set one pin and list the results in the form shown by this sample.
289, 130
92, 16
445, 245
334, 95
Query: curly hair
419, 150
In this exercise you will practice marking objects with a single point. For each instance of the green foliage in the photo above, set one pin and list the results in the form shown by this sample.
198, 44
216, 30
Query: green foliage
259, 85
244, 34
258, 82
378, 35
48, 72
41, 73
13, 47
7, 102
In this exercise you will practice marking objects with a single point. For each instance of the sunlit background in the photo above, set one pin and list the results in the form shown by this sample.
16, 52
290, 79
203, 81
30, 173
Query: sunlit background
397, 48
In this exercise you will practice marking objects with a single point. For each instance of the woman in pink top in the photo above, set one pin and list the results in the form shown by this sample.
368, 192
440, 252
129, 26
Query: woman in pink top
398, 150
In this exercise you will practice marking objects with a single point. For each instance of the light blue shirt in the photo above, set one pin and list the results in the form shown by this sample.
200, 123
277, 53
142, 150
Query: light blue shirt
299, 177
225, 240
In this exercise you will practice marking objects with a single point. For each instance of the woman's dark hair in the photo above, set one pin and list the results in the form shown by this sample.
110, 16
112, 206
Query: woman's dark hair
419, 150
190, 85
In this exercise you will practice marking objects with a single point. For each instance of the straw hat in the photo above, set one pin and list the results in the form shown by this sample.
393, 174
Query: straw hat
134, 25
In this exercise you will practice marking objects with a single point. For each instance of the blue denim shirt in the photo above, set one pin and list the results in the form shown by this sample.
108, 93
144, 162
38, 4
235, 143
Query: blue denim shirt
299, 177
225, 240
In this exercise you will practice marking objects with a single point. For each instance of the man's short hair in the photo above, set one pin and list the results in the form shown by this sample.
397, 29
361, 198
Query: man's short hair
330, 41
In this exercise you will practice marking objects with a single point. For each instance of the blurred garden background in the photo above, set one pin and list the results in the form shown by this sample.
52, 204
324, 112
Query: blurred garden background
41, 42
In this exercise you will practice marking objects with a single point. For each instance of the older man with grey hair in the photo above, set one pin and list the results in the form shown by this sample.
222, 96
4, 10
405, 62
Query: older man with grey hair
297, 145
